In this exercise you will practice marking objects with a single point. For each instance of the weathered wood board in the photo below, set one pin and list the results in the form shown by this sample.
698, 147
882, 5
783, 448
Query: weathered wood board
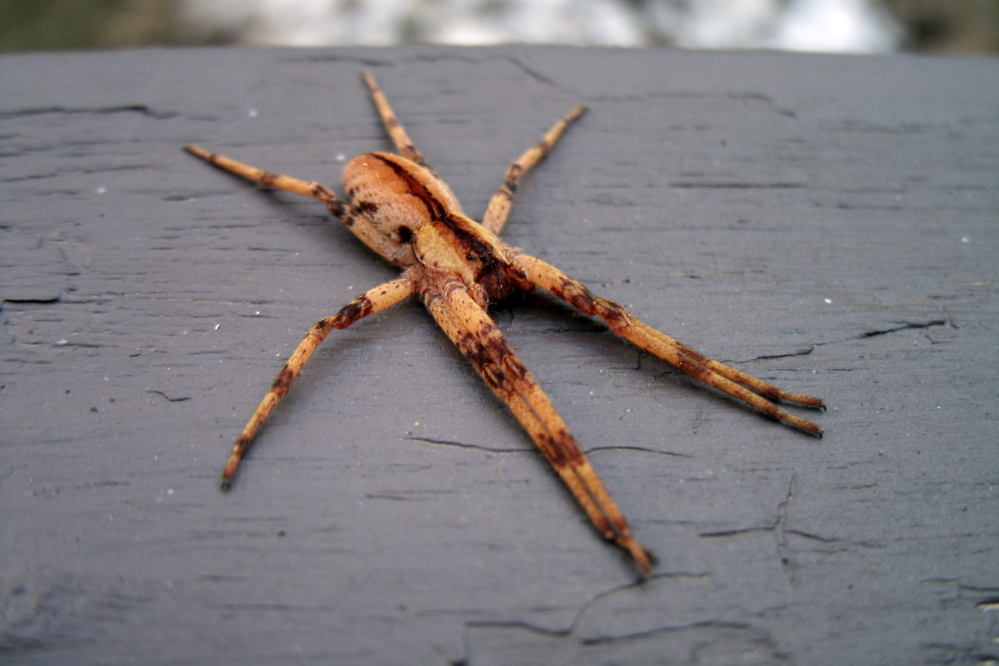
827, 223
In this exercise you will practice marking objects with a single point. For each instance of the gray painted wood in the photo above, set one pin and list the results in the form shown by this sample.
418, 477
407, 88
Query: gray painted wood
827, 223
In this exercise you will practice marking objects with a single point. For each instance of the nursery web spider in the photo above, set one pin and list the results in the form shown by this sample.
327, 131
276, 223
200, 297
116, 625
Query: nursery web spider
402, 210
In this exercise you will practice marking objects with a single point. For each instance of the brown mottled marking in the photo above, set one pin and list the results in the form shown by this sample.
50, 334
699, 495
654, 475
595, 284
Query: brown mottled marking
356, 309
400, 209
322, 192
405, 234
419, 188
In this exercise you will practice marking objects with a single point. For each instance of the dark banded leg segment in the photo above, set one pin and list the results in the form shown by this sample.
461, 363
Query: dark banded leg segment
723, 377
478, 339
499, 205
367, 303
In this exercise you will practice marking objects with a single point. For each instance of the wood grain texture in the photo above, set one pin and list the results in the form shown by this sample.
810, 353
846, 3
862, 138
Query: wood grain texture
826, 223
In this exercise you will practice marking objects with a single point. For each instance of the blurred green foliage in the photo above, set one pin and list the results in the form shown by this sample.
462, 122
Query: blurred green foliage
85, 24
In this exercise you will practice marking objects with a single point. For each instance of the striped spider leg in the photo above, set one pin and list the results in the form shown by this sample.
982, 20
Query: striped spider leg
399, 208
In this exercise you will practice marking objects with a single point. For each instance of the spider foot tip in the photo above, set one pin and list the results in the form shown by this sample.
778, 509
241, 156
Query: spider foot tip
644, 558
198, 151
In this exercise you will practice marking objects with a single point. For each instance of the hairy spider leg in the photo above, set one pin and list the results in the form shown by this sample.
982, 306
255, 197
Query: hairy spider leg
499, 205
392, 124
468, 325
643, 336
478, 339
367, 303
358, 224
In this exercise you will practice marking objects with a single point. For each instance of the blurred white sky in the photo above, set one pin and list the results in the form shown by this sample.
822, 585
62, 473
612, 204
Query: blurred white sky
846, 26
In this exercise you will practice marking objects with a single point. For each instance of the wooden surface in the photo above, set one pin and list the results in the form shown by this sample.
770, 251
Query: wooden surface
826, 223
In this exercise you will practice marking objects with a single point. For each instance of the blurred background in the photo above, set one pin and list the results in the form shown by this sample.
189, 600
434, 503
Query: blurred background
844, 26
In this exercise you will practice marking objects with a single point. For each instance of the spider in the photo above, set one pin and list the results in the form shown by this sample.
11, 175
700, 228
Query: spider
402, 210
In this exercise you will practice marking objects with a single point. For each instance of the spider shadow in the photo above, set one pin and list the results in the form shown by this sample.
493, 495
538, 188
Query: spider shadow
619, 353
526, 317
322, 227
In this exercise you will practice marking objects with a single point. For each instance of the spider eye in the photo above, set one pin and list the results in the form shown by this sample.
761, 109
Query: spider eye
405, 234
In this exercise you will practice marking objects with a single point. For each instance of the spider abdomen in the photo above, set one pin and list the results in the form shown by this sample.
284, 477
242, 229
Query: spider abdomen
396, 194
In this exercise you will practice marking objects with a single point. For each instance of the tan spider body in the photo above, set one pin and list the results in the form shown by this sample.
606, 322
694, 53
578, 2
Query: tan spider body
400, 209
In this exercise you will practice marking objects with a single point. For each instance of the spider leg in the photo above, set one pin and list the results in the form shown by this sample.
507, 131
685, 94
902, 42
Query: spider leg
358, 224
499, 205
478, 339
367, 303
392, 125
728, 379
